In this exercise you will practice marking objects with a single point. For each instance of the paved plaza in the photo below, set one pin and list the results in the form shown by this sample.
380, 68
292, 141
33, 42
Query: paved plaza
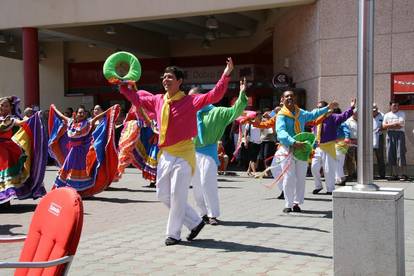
124, 232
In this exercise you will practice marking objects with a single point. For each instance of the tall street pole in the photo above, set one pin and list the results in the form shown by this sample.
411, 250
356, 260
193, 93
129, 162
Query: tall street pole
365, 98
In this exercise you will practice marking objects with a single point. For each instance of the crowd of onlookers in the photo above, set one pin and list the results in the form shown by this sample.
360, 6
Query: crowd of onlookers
389, 147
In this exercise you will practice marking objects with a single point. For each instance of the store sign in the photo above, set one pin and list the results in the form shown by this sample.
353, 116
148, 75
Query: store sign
281, 81
212, 74
403, 83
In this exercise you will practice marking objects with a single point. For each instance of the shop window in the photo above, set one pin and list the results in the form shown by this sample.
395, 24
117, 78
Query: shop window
402, 89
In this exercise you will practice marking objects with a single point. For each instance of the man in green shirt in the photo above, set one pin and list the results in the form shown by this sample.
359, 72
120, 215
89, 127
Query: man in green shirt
211, 123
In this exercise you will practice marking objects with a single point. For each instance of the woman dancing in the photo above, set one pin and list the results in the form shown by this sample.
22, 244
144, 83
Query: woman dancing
138, 144
84, 151
23, 148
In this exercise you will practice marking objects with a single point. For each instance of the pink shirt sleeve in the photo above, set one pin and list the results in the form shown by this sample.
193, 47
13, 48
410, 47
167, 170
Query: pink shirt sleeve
213, 96
140, 98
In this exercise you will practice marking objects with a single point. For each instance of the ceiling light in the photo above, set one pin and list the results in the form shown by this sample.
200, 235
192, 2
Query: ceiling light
91, 45
3, 38
212, 23
210, 35
110, 30
11, 49
206, 44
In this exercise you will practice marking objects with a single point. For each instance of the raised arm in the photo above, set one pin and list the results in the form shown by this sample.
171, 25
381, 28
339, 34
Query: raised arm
140, 98
340, 118
229, 114
217, 93
59, 114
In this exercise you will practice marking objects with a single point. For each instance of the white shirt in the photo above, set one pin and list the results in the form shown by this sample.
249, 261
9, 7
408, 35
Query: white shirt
353, 127
392, 117
254, 136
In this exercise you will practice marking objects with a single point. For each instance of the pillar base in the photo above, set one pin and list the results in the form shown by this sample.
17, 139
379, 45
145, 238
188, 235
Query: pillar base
368, 231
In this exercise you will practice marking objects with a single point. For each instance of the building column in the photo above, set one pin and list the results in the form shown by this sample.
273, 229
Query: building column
31, 67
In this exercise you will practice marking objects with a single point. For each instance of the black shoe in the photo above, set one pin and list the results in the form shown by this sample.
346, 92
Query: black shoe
393, 178
195, 231
205, 219
152, 185
287, 210
281, 196
171, 241
213, 221
342, 183
316, 191
404, 178
329, 193
296, 208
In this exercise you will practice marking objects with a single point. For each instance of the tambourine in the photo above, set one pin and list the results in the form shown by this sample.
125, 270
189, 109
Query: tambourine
109, 68
309, 140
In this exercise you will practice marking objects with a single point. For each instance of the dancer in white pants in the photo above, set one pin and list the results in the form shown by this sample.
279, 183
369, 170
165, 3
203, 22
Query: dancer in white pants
325, 154
176, 118
212, 122
290, 121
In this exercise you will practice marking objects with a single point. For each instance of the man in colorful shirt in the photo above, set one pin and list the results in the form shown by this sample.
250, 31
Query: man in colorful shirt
176, 118
291, 121
212, 121
325, 153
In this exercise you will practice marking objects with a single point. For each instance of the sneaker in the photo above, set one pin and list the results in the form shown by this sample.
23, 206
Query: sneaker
296, 208
316, 191
329, 193
205, 219
171, 241
281, 196
213, 221
287, 210
193, 234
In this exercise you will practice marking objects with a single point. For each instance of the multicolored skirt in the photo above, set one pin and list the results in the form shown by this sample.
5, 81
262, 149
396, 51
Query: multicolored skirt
138, 146
89, 163
23, 161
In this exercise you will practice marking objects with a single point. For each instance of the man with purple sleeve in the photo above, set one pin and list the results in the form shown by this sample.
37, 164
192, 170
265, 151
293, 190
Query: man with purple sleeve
325, 153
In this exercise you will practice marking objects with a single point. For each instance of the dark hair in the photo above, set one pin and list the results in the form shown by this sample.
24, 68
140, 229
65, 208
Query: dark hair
81, 107
178, 73
337, 110
394, 102
323, 103
290, 90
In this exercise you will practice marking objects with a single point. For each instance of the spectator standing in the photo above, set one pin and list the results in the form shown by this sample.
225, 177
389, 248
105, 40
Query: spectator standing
378, 140
394, 123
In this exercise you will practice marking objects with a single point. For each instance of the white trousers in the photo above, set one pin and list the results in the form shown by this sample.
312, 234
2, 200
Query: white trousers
205, 186
277, 169
173, 182
340, 161
323, 159
294, 179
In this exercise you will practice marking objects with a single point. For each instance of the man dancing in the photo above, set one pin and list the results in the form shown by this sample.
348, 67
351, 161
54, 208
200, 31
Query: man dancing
290, 121
176, 118
212, 121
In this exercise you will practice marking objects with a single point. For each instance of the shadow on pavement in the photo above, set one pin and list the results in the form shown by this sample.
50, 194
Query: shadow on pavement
227, 180
228, 187
116, 189
5, 229
251, 224
118, 200
19, 209
238, 247
326, 214
318, 199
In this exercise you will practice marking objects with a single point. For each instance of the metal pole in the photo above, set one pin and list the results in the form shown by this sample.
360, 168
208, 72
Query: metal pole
365, 90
